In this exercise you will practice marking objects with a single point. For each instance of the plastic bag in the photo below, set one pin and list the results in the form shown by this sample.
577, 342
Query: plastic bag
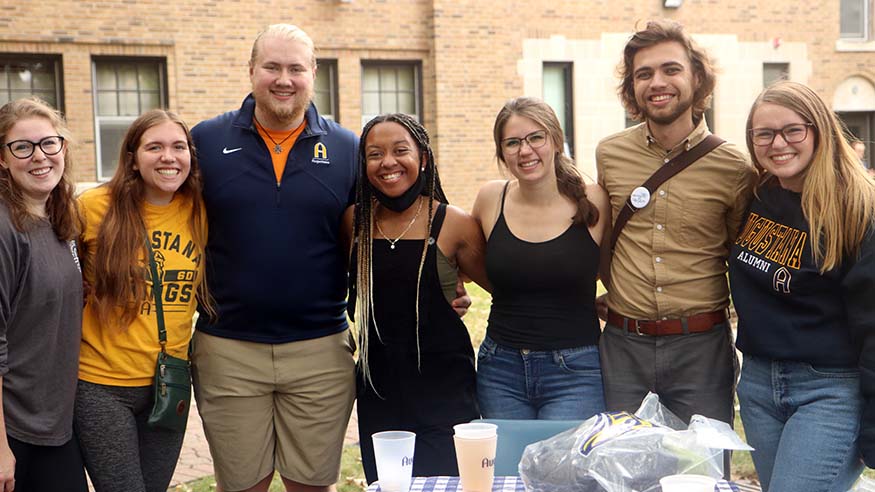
864, 485
622, 452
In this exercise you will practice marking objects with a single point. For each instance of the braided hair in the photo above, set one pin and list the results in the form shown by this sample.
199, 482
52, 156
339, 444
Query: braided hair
363, 227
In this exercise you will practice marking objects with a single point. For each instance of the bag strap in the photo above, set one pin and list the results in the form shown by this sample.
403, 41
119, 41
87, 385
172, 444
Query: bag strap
663, 174
156, 292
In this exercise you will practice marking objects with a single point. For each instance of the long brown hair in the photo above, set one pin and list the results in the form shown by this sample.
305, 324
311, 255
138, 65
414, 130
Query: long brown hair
838, 197
61, 206
119, 272
663, 31
568, 178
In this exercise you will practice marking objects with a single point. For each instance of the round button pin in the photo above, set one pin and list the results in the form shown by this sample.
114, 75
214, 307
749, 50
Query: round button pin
640, 197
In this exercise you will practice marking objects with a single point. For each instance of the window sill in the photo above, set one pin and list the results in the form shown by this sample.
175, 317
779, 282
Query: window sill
855, 45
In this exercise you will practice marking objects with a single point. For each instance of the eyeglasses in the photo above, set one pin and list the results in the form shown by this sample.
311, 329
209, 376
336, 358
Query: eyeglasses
536, 140
794, 133
24, 148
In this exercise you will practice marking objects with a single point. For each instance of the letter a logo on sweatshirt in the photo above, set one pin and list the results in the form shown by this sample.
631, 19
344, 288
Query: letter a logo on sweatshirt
320, 154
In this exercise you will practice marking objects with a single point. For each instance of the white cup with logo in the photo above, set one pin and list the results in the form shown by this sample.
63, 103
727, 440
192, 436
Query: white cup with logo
688, 483
475, 454
393, 453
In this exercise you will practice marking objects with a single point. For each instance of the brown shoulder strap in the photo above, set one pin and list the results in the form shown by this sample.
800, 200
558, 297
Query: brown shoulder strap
663, 174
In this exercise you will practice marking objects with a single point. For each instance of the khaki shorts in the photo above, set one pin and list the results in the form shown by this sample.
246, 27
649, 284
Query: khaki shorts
269, 407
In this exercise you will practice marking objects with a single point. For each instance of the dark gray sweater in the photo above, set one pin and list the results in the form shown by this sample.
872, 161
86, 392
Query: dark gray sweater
40, 330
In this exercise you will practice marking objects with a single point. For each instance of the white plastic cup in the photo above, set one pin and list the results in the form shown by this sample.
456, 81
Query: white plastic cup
475, 454
688, 483
393, 453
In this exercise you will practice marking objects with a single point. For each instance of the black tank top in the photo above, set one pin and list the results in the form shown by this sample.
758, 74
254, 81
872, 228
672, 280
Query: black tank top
394, 294
543, 294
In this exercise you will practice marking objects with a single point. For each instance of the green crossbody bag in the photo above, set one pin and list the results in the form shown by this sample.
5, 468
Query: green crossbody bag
172, 386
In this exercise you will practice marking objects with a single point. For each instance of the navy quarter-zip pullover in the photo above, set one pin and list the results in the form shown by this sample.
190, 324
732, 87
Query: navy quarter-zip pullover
275, 265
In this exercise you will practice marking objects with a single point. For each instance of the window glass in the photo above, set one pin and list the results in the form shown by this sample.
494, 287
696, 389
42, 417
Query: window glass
123, 90
30, 75
127, 77
389, 88
557, 86
325, 89
854, 19
773, 72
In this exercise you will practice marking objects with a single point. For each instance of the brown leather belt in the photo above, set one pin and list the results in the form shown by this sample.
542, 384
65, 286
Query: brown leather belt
696, 323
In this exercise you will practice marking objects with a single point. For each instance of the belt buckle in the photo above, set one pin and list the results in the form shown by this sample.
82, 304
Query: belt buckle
638, 328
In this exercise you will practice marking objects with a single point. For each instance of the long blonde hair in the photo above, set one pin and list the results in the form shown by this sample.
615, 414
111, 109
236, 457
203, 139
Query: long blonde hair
838, 197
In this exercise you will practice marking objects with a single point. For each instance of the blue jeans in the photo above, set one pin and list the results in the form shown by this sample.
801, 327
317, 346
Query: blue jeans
527, 384
803, 421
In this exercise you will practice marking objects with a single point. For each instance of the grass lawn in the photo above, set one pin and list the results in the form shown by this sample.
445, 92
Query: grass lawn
352, 477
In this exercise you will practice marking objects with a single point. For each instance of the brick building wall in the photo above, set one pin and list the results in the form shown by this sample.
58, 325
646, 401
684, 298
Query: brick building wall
473, 56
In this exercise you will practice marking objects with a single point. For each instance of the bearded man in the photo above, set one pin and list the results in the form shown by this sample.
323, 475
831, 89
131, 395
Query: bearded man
274, 372
667, 330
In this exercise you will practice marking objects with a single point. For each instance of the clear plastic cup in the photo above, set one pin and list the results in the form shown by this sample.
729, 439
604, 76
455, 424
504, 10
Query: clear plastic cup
475, 453
688, 483
393, 453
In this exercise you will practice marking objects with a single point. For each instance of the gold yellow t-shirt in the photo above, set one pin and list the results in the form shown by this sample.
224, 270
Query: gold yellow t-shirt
126, 357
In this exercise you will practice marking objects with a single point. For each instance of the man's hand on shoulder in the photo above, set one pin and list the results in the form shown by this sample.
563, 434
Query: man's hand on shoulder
601, 307
462, 301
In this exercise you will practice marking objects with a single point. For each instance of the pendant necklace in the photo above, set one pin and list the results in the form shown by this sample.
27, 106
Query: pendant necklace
277, 146
406, 229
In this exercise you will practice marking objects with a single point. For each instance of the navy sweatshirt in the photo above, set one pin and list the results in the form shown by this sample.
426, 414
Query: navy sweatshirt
788, 310
275, 265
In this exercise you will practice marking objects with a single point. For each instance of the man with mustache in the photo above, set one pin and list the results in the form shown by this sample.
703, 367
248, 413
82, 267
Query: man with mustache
273, 372
667, 329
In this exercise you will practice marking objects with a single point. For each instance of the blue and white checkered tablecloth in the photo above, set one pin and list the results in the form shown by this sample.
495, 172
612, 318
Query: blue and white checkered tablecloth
500, 484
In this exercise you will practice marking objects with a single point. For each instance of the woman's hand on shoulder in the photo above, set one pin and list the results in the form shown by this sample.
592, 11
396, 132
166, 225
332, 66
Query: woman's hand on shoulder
487, 205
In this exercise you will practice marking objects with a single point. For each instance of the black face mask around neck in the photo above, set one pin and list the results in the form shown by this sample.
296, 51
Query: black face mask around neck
405, 200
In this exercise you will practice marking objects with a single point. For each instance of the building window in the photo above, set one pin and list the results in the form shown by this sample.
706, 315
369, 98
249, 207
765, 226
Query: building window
558, 93
854, 19
773, 72
325, 91
27, 75
390, 88
709, 117
861, 124
124, 88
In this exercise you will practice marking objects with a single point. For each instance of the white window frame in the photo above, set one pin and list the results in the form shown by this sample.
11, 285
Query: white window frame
865, 21
115, 120
415, 66
567, 123
327, 69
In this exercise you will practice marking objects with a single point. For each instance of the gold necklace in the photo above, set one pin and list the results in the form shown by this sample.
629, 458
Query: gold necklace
277, 146
406, 229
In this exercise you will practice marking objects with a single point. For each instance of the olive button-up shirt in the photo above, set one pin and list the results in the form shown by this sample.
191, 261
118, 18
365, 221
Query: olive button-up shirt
670, 259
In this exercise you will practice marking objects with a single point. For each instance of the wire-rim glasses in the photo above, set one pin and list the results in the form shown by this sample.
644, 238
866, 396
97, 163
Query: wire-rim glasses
536, 140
